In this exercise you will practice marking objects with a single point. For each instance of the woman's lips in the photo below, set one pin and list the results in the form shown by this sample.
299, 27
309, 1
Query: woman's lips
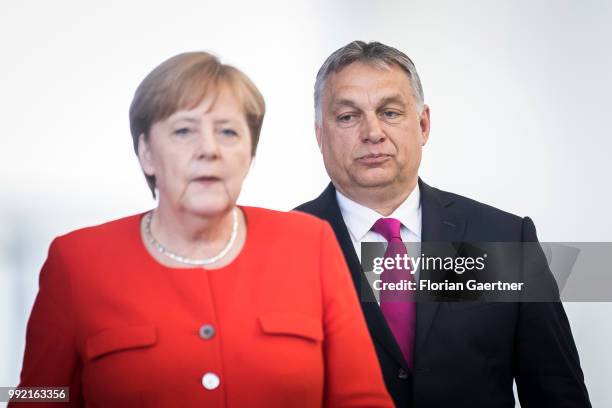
206, 180
373, 159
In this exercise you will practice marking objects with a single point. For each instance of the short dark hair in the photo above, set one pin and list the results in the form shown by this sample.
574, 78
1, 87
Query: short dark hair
373, 53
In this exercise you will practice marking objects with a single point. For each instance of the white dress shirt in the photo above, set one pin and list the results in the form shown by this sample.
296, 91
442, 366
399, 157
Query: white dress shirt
359, 220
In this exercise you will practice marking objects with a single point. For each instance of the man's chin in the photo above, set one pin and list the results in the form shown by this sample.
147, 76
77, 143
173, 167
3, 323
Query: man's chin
378, 181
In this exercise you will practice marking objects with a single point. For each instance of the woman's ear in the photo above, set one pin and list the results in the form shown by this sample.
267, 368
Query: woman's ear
144, 156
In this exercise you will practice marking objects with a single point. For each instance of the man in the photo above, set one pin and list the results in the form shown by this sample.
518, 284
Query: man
371, 125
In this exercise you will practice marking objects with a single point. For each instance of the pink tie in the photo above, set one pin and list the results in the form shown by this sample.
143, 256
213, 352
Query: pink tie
398, 307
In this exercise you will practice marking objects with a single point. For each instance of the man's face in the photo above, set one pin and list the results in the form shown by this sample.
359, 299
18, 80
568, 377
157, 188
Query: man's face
371, 133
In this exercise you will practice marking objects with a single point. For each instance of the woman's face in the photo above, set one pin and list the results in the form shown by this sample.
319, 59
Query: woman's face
199, 157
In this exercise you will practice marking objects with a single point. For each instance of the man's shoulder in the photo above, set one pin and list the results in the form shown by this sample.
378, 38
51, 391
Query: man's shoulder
484, 222
310, 207
320, 205
432, 195
469, 206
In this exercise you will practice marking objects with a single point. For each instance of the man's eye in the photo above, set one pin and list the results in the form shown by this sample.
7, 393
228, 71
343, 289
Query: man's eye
182, 131
345, 118
390, 114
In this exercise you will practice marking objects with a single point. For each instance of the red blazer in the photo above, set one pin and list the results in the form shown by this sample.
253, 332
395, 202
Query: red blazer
279, 326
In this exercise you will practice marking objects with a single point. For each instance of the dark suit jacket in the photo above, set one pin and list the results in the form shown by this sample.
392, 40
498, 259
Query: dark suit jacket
467, 354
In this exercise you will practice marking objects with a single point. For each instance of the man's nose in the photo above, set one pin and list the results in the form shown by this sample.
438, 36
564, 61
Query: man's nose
372, 131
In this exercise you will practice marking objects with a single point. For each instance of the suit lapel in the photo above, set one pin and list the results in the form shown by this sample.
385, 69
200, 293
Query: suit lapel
328, 209
439, 224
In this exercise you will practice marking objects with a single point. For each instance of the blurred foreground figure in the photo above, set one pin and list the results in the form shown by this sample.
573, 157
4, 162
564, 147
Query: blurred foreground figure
200, 302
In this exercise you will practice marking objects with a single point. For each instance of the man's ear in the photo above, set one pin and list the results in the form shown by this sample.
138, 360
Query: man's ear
425, 125
318, 133
144, 156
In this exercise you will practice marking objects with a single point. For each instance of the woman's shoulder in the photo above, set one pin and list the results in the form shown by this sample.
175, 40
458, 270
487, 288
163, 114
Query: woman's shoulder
283, 221
115, 231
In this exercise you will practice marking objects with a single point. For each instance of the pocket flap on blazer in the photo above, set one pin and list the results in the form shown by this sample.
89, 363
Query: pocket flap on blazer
293, 324
117, 339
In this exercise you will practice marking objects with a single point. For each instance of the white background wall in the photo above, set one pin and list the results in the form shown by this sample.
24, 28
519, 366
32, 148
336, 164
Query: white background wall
519, 93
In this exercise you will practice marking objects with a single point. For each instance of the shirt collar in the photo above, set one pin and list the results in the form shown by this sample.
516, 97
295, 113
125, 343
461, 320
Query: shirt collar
359, 218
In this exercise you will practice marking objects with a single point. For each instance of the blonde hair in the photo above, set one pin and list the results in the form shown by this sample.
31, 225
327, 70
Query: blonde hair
182, 82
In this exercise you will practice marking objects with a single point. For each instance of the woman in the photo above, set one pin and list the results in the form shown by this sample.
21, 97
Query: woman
200, 302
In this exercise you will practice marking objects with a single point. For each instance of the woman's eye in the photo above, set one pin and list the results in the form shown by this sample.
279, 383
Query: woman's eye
229, 132
182, 131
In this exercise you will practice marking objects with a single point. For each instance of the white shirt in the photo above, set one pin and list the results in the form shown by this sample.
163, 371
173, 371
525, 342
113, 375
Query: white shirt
359, 219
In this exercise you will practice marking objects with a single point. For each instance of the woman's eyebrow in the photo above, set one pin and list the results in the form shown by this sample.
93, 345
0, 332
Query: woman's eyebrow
184, 114
222, 121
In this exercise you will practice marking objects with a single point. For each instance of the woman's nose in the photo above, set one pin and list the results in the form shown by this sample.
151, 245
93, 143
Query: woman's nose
207, 145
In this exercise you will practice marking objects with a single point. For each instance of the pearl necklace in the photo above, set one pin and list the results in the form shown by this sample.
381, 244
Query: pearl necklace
189, 261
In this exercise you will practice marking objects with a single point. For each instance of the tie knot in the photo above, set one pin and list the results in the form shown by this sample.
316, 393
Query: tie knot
388, 228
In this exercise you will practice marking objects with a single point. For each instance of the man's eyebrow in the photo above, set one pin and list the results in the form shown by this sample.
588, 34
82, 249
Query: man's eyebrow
344, 102
397, 98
